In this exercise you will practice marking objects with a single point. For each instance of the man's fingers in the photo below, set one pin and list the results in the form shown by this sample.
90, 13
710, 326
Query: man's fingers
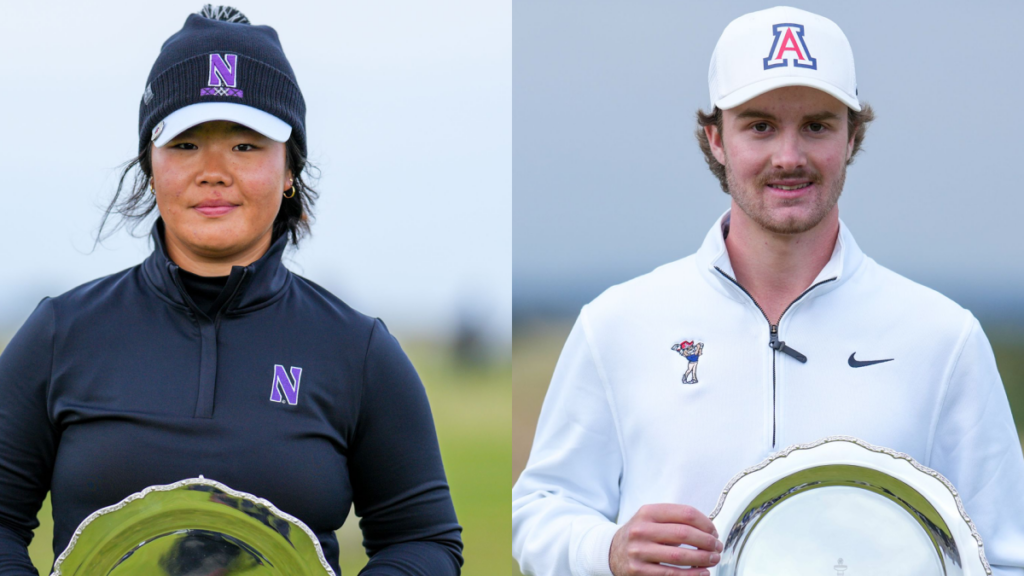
652, 538
657, 570
677, 514
659, 553
674, 535
646, 569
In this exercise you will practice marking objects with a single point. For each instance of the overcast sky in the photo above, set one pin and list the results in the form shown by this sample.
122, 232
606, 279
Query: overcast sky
609, 182
408, 116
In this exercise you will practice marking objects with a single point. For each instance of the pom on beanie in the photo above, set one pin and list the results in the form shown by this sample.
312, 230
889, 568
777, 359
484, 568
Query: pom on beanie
223, 13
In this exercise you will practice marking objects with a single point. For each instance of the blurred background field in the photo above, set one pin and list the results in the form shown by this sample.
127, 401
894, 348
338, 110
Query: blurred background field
536, 345
470, 400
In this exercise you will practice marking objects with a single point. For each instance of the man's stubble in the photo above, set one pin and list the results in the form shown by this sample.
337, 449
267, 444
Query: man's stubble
752, 202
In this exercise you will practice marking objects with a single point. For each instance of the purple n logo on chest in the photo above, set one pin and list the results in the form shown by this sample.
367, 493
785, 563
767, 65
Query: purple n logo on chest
288, 385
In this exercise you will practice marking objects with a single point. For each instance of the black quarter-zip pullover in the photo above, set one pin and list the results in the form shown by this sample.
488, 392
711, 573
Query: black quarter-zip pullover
278, 389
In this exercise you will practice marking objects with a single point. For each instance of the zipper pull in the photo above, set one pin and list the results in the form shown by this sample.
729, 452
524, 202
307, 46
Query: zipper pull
775, 344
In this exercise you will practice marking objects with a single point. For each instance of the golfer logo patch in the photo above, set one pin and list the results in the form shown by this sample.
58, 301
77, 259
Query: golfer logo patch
692, 351
223, 80
286, 387
789, 46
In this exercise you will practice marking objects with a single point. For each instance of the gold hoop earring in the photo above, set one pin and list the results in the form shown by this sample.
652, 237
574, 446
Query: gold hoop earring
293, 193
152, 189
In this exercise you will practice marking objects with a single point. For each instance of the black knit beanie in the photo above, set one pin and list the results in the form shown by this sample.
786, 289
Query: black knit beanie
217, 56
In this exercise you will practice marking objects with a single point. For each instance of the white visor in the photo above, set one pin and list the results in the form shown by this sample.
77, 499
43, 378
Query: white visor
184, 118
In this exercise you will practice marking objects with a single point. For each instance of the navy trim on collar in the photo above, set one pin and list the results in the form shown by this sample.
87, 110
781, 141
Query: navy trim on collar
258, 283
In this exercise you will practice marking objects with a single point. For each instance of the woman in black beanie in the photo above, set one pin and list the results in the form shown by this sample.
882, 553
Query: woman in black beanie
210, 357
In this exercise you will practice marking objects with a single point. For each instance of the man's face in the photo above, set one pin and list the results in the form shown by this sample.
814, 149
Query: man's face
785, 155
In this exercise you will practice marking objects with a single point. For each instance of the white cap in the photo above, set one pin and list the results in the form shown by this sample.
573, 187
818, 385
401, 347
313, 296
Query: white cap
184, 118
781, 46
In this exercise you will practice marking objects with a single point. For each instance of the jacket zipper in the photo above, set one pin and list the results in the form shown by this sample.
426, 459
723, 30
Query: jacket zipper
773, 334
234, 293
208, 346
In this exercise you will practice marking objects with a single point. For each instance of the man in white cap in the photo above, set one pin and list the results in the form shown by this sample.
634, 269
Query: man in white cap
802, 337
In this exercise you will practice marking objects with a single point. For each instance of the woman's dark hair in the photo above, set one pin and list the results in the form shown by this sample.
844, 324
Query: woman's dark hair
857, 122
293, 219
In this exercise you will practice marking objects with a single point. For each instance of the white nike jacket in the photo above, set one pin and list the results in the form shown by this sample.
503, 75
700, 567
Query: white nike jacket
620, 429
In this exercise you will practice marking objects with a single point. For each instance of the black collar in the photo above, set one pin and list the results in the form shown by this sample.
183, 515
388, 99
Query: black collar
249, 287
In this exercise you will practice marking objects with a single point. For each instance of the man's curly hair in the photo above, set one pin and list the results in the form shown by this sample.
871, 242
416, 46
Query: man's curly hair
858, 121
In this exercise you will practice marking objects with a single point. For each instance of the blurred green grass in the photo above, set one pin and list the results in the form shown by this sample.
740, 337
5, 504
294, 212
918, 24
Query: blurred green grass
473, 420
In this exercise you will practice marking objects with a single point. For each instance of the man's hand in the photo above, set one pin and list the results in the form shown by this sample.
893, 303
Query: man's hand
653, 536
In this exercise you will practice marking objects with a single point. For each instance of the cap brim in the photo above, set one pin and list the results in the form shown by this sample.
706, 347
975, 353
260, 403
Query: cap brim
754, 90
184, 118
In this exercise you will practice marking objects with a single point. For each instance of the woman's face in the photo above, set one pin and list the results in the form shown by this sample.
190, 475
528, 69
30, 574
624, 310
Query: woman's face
219, 187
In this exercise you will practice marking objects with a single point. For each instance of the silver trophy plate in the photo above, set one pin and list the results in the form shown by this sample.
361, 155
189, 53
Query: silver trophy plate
195, 527
842, 506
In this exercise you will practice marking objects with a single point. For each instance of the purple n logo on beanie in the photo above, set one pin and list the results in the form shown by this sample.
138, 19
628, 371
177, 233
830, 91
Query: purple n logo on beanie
223, 73
223, 76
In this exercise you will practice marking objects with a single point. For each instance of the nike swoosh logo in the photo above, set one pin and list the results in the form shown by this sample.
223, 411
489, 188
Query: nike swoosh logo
862, 363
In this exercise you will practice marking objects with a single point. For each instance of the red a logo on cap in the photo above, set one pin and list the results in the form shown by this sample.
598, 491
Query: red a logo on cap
789, 44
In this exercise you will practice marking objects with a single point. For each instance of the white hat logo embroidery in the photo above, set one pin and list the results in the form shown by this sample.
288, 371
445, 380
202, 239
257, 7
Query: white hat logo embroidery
789, 44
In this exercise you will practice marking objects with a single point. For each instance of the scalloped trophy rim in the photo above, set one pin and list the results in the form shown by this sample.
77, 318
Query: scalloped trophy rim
872, 448
200, 481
